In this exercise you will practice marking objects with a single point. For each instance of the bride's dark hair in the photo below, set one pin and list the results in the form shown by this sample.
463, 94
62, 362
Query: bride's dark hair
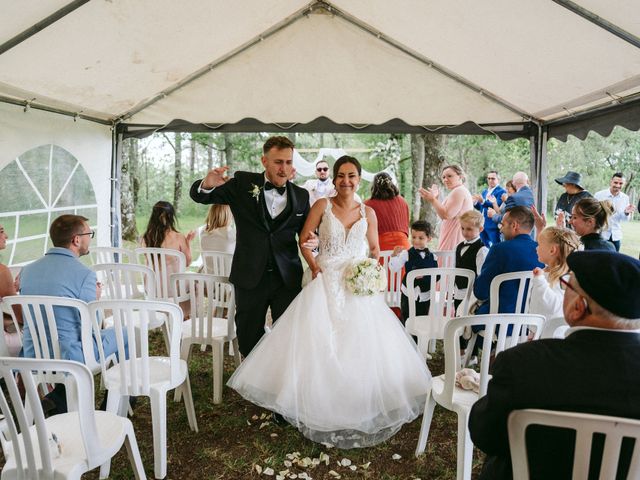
341, 161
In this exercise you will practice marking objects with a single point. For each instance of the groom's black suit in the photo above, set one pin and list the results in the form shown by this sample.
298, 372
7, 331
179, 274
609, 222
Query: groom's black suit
266, 270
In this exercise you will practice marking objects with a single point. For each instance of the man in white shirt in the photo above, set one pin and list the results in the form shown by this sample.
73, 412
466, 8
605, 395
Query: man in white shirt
622, 209
321, 186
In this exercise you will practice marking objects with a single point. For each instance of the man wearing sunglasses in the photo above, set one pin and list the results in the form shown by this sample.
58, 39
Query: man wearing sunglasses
321, 186
484, 201
594, 369
61, 274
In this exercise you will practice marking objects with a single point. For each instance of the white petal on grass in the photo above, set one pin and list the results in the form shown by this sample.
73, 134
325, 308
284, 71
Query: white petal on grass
262, 416
353, 467
327, 444
280, 477
273, 435
365, 465
268, 471
263, 424
258, 469
334, 474
248, 423
324, 458
287, 463
255, 417
395, 456
345, 462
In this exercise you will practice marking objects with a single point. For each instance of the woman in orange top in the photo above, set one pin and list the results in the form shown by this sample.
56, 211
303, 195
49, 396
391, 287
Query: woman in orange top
392, 212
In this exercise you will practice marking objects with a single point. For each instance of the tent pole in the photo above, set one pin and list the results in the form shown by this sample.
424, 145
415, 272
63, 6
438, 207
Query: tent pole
539, 166
116, 164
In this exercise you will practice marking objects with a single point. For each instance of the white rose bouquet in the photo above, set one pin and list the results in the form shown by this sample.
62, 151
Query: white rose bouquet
365, 277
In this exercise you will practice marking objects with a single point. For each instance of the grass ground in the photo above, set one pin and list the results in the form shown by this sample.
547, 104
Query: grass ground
236, 437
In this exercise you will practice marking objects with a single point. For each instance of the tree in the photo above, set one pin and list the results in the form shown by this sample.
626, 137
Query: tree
128, 193
427, 153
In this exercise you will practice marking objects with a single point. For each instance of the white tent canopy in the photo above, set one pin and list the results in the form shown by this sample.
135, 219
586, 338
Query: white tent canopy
516, 68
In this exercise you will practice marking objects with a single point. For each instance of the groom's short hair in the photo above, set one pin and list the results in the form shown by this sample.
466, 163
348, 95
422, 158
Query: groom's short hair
278, 142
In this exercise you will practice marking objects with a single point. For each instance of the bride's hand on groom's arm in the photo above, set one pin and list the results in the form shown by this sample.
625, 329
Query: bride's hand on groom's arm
310, 241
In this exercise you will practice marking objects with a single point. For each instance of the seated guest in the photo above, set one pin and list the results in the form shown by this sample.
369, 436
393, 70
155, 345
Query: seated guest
589, 217
470, 253
161, 232
418, 256
517, 253
219, 233
554, 246
61, 274
7, 288
592, 370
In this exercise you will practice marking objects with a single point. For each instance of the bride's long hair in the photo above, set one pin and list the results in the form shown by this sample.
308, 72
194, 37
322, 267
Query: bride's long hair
341, 161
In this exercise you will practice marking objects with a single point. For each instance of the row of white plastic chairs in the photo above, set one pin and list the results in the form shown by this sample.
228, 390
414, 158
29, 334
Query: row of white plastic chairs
212, 308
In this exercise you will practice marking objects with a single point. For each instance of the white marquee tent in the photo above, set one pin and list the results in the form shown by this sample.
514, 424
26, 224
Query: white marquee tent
84, 74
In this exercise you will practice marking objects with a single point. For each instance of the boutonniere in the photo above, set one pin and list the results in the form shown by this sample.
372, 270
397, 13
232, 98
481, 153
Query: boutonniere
255, 191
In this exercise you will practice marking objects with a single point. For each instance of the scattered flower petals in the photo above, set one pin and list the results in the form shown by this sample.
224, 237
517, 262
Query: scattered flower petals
365, 465
268, 471
353, 467
283, 472
287, 463
255, 417
327, 444
264, 424
345, 462
248, 423
273, 435
334, 474
324, 458
280, 477
263, 416
258, 469
395, 456
293, 475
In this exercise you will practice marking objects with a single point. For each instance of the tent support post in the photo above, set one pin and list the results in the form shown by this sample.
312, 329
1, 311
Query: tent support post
539, 167
116, 164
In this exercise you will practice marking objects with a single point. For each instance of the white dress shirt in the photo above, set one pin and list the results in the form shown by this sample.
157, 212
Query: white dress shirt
620, 202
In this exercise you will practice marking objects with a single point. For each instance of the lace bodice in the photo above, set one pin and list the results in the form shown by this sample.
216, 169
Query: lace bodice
339, 243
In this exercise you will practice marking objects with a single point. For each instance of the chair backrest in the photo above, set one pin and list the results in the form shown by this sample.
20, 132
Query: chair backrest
30, 447
555, 328
393, 292
441, 307
163, 262
445, 258
585, 426
491, 323
210, 297
523, 299
101, 255
39, 317
134, 317
126, 280
217, 263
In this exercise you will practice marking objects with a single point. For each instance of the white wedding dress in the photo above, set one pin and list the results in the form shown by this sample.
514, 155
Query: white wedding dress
339, 367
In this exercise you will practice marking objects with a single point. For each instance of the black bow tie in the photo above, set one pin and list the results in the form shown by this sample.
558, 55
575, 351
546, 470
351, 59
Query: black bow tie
271, 186
421, 250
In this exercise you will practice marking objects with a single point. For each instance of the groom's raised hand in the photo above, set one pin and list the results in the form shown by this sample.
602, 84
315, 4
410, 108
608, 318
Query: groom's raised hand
215, 177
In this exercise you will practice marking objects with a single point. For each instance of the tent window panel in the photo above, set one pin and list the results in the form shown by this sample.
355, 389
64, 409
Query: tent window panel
36, 165
34, 224
64, 166
29, 250
78, 191
18, 194
91, 214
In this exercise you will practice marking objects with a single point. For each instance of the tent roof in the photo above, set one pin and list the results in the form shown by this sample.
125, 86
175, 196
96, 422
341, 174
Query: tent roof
357, 63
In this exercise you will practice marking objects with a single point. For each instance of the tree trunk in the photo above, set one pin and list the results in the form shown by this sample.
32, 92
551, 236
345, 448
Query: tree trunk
177, 170
192, 157
210, 153
227, 158
427, 152
128, 191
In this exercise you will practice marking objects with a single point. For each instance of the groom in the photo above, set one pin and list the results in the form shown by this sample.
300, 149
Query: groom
269, 211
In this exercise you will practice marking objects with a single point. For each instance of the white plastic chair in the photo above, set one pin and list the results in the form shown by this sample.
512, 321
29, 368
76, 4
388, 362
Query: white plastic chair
555, 328
88, 438
441, 309
444, 390
144, 375
217, 263
445, 258
393, 293
212, 320
523, 299
163, 262
101, 255
125, 280
38, 315
585, 426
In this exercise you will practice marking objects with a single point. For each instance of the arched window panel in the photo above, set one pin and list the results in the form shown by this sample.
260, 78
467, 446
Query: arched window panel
47, 181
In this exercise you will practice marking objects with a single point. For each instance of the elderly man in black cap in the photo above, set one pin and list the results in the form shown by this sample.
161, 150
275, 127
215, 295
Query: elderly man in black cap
593, 370
574, 191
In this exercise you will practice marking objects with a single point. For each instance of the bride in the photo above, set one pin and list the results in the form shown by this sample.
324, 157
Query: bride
338, 366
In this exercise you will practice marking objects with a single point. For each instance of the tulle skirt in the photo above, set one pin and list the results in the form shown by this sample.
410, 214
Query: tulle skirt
343, 371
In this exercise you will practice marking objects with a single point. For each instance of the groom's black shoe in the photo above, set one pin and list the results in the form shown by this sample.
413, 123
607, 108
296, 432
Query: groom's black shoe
278, 419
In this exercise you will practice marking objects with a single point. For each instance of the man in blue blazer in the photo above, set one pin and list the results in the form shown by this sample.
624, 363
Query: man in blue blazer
60, 274
522, 198
491, 233
517, 253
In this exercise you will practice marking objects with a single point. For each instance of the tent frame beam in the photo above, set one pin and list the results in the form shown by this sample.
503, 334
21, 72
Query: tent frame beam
600, 22
27, 104
41, 25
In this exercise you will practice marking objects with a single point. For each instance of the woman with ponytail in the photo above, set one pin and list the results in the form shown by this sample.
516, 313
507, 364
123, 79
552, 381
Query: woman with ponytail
588, 218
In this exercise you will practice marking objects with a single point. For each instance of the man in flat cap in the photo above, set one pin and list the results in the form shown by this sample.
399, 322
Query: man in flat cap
573, 191
593, 370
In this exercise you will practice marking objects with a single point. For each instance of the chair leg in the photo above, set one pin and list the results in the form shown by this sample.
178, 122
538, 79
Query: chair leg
159, 422
218, 359
429, 407
114, 400
185, 354
465, 448
423, 347
188, 404
432, 345
236, 351
133, 453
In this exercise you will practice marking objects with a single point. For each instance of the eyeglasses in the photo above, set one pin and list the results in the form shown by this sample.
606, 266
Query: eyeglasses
322, 169
564, 282
92, 233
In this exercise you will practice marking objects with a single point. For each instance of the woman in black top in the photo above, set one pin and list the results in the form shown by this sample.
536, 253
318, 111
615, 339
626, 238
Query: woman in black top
589, 216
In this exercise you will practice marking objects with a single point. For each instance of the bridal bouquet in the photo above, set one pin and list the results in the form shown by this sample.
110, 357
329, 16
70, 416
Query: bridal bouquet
365, 277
